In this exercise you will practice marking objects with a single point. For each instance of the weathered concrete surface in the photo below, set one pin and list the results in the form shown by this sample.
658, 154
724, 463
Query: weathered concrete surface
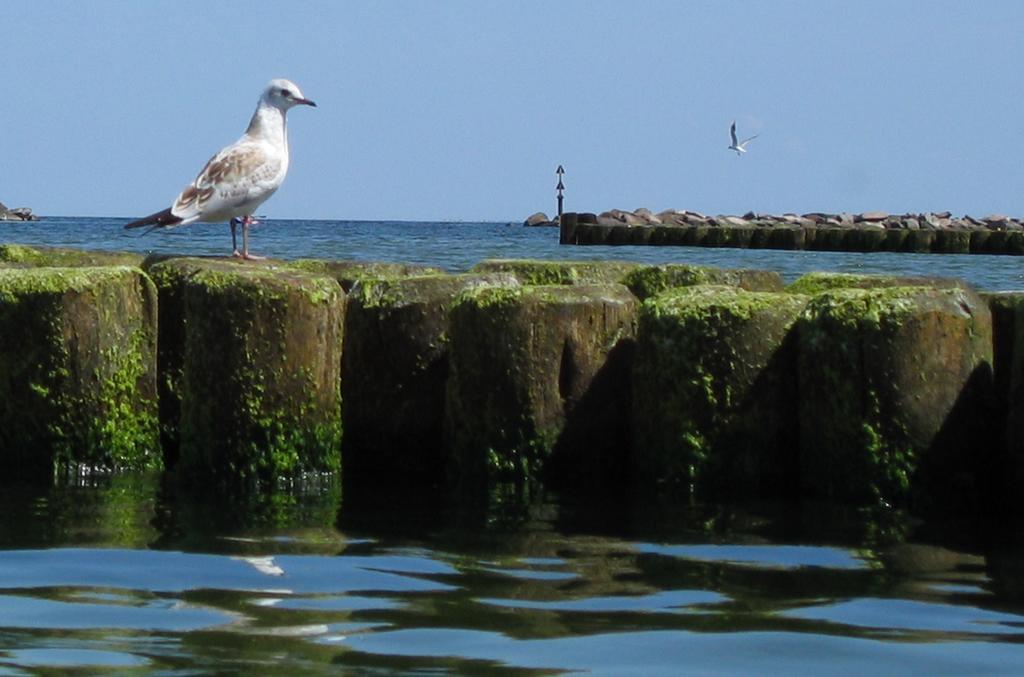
18, 255
347, 273
260, 363
543, 383
1008, 329
714, 398
895, 387
395, 371
647, 281
816, 283
533, 272
525, 363
170, 274
77, 369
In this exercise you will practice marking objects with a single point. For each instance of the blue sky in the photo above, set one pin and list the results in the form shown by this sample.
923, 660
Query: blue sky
463, 110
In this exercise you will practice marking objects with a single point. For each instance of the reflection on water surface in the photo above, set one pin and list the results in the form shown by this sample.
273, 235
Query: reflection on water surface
121, 573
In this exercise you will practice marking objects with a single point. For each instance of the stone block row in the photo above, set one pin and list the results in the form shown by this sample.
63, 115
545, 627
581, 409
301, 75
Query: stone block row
592, 377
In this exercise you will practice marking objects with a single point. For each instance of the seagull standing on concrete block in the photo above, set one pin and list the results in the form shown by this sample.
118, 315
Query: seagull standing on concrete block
241, 176
740, 147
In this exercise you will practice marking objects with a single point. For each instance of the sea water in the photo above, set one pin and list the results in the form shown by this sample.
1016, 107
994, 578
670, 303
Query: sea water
457, 246
123, 574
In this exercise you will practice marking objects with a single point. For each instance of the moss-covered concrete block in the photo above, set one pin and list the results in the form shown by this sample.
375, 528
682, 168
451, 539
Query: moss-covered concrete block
831, 239
950, 241
17, 255
661, 235
593, 233
895, 387
170, 274
641, 235
714, 392
531, 367
699, 236
895, 239
647, 281
792, 238
534, 272
818, 282
77, 369
347, 273
259, 380
741, 237
866, 239
919, 241
680, 235
979, 240
620, 234
395, 371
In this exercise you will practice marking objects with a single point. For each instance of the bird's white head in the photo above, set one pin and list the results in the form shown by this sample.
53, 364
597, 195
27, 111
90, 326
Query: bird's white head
284, 94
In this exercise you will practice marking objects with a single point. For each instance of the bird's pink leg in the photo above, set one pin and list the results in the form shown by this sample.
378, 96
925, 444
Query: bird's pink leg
234, 241
246, 222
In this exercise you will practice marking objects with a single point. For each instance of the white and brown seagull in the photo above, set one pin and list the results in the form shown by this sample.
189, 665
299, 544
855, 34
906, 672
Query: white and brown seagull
241, 176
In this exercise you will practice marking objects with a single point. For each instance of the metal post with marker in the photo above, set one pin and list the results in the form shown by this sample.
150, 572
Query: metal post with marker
560, 187
566, 222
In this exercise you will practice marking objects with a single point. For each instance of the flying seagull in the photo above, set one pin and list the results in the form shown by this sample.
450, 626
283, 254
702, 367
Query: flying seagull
241, 176
741, 146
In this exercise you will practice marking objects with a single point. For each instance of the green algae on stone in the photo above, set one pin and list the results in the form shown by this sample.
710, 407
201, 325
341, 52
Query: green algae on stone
99, 509
260, 364
77, 369
895, 395
170, 274
347, 273
60, 257
529, 366
647, 281
394, 373
866, 239
535, 272
714, 392
818, 282
300, 511
952, 241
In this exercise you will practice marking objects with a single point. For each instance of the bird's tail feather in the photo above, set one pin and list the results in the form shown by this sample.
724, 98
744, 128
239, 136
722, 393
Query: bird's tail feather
158, 220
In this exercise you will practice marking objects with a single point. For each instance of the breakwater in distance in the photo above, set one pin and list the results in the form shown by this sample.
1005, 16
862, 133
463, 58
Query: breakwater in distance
867, 232
593, 377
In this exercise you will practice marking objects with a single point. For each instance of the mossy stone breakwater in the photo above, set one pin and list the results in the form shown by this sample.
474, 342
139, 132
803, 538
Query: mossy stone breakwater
592, 377
938, 233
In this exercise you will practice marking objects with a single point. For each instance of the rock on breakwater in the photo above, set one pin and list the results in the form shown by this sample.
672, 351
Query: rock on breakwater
935, 232
16, 214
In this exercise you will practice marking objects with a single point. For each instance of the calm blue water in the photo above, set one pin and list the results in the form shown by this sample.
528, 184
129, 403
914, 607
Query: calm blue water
121, 574
457, 246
